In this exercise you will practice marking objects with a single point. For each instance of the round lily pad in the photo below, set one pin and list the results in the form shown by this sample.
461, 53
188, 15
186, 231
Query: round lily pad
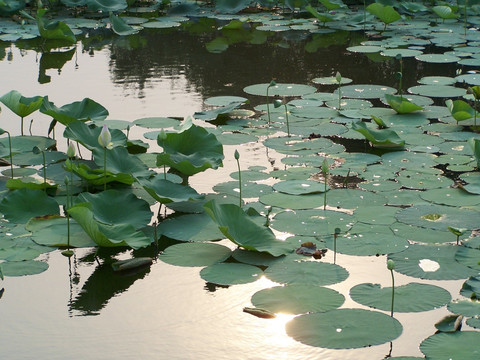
461, 345
312, 222
444, 91
450, 196
156, 122
437, 58
366, 243
430, 262
412, 297
376, 215
195, 254
331, 80
249, 189
18, 253
366, 91
468, 257
294, 202
353, 198
306, 272
404, 52
464, 307
230, 273
254, 257
421, 235
224, 100
437, 80
191, 227
344, 328
365, 49
297, 299
438, 217
299, 187
22, 268
279, 89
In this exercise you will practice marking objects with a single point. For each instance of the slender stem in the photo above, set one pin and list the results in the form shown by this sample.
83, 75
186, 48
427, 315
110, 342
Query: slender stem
335, 248
11, 160
44, 172
239, 181
393, 292
268, 106
21, 124
104, 168
286, 116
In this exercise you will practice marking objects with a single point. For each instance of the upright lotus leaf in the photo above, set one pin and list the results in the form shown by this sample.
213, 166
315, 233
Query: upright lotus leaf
383, 138
119, 161
165, 191
460, 110
54, 30
97, 176
87, 135
231, 6
84, 110
115, 206
25, 144
211, 115
445, 12
475, 145
20, 205
401, 104
107, 235
385, 13
20, 105
237, 226
324, 18
191, 151
332, 5
120, 27
106, 5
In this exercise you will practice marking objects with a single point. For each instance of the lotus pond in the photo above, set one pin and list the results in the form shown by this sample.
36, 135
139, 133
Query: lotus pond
235, 182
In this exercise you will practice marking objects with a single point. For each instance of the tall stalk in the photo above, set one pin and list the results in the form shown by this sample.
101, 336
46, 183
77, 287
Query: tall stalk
237, 157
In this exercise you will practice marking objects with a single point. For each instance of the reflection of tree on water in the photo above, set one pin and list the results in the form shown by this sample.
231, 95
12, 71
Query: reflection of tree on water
102, 285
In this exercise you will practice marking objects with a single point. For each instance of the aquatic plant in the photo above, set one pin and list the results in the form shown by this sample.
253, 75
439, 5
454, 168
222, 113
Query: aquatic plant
325, 172
272, 83
237, 157
68, 252
20, 105
391, 267
460, 110
277, 103
457, 232
2, 131
105, 141
36, 150
385, 13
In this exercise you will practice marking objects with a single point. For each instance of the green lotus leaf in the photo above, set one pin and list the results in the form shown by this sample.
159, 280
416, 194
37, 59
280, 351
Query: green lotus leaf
53, 231
468, 257
224, 100
230, 273
87, 135
449, 323
106, 5
305, 272
293, 202
54, 30
22, 268
195, 254
460, 110
84, 110
475, 146
279, 90
471, 287
442, 91
467, 308
324, 18
300, 187
211, 115
29, 183
297, 299
237, 226
385, 13
445, 12
96, 176
18, 253
365, 49
20, 105
438, 217
190, 227
166, 191
458, 345
430, 262
384, 138
115, 207
20, 205
421, 235
344, 329
106, 235
254, 258
156, 123
25, 144
412, 297
191, 151
449, 196
401, 105
312, 222
120, 27
249, 189
120, 161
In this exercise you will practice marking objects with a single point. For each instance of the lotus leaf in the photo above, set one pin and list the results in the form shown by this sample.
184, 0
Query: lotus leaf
191, 227
458, 345
120, 27
212, 115
344, 328
84, 110
54, 30
191, 151
119, 161
379, 138
430, 262
412, 297
106, 5
230, 273
107, 235
249, 189
20, 205
280, 89
468, 257
20, 105
237, 226
471, 287
297, 299
166, 191
401, 105
195, 254
22, 268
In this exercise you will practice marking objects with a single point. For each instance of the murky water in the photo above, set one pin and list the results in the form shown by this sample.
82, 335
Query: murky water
79, 309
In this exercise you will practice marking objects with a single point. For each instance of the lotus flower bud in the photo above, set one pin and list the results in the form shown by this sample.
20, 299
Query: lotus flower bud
338, 77
162, 135
277, 103
105, 138
71, 150
237, 155
390, 265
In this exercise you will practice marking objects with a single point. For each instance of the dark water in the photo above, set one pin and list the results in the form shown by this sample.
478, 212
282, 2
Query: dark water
79, 309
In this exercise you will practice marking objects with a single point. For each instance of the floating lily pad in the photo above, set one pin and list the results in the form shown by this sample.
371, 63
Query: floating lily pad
299, 187
438, 58
437, 80
223, 100
195, 254
421, 235
294, 202
365, 49
156, 123
366, 91
404, 52
449, 196
412, 297
443, 91
280, 89
297, 299
468, 257
430, 262
376, 215
354, 198
312, 222
471, 287
344, 328
18, 253
438, 217
254, 257
464, 307
457, 345
22, 268
230, 273
367, 243
191, 227
249, 189
306, 272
